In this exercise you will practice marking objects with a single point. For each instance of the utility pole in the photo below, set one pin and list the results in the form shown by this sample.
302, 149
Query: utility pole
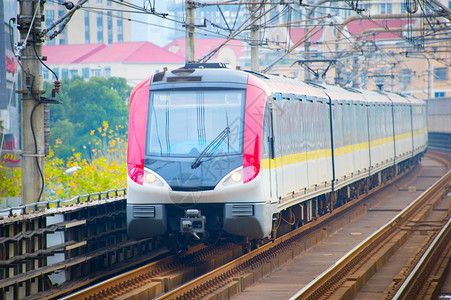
190, 48
30, 20
254, 39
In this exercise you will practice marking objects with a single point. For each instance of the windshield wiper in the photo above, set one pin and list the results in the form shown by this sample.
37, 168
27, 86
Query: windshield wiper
211, 147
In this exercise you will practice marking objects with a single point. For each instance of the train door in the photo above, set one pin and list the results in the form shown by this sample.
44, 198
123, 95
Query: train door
269, 152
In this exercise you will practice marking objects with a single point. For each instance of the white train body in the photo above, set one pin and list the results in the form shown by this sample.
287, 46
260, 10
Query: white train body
218, 150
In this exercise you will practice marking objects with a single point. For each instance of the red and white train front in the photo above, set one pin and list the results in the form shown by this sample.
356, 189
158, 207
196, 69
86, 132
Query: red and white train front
194, 155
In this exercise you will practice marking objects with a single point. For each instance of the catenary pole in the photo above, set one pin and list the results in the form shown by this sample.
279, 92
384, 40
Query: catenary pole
29, 20
190, 50
254, 38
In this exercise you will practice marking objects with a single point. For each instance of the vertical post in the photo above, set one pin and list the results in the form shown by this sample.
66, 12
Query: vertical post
254, 40
430, 83
32, 144
190, 50
355, 72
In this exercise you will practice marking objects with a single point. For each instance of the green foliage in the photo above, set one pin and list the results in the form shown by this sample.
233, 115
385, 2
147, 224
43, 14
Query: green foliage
96, 176
10, 181
86, 105
88, 130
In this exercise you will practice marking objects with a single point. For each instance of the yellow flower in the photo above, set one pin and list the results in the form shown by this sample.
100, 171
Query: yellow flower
92, 132
105, 124
99, 129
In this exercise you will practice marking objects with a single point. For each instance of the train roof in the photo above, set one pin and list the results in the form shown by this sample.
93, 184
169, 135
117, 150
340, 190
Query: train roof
375, 97
280, 84
199, 73
217, 73
397, 98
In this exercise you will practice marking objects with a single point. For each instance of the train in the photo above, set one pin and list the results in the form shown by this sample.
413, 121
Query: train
216, 153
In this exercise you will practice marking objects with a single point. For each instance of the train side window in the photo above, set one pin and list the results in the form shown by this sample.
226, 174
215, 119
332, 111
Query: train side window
268, 136
265, 139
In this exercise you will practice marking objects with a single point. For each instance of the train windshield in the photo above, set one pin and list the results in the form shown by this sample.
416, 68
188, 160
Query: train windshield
185, 123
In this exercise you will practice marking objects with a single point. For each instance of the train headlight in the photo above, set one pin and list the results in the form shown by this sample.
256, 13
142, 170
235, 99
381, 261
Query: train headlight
152, 179
234, 177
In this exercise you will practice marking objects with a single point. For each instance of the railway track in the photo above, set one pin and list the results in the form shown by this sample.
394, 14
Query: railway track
351, 272
111, 255
229, 278
233, 276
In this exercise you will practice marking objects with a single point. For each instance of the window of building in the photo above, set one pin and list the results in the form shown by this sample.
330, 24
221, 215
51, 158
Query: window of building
95, 72
406, 75
85, 73
120, 28
64, 74
383, 11
63, 35
87, 33
73, 73
389, 8
110, 27
45, 73
403, 8
99, 28
439, 94
49, 17
440, 74
57, 72
107, 72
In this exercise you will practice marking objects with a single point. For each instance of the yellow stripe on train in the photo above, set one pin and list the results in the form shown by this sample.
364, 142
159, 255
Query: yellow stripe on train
290, 159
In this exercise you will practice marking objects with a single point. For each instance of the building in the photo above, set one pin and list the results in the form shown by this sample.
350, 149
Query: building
99, 21
9, 101
392, 49
133, 61
380, 52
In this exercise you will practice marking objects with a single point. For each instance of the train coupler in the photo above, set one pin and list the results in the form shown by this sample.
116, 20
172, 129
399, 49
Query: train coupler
193, 223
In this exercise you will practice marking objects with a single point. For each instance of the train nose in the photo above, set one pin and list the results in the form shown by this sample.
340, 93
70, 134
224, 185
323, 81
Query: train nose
186, 181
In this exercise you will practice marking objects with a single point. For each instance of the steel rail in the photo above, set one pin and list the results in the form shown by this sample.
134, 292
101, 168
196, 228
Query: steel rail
420, 275
339, 270
136, 278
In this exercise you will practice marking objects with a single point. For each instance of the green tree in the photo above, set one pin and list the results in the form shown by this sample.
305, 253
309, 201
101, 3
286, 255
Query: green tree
86, 105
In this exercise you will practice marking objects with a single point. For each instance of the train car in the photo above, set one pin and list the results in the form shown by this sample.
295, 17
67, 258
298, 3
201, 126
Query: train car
217, 152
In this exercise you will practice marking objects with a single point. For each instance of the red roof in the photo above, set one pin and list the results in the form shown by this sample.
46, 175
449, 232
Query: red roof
358, 27
138, 52
204, 46
66, 54
296, 34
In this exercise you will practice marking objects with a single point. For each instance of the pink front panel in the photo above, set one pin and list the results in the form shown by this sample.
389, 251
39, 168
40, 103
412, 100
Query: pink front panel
256, 95
139, 100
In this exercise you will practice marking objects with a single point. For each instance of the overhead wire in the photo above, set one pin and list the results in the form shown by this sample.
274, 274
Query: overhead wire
224, 32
